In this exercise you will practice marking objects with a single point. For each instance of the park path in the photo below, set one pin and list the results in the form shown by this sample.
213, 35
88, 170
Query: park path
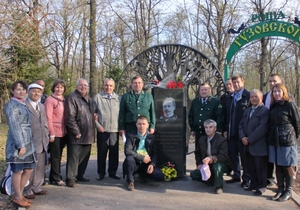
182, 194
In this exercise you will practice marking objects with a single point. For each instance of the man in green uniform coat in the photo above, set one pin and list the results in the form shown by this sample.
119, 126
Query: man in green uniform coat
204, 107
133, 104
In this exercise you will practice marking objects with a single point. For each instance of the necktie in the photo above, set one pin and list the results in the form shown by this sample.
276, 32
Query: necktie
203, 100
37, 110
252, 110
208, 147
236, 97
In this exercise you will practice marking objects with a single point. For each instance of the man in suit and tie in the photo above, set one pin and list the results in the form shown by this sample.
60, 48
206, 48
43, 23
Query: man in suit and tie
40, 133
204, 107
236, 103
253, 130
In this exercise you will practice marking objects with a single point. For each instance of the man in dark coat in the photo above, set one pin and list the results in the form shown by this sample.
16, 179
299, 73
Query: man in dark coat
80, 121
236, 104
140, 152
223, 98
253, 130
212, 150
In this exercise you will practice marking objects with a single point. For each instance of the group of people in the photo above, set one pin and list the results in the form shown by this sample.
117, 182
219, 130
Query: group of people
249, 131
238, 126
41, 126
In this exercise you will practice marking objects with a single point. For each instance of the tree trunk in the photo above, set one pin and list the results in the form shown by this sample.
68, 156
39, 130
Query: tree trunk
263, 62
93, 68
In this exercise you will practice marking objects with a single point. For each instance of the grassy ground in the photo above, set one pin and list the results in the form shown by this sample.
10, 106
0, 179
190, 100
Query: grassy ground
3, 134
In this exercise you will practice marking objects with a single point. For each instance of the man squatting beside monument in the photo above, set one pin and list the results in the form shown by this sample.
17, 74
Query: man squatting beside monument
212, 150
141, 154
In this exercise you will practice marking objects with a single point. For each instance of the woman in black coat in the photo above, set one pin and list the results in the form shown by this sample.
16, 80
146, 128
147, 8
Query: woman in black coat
284, 131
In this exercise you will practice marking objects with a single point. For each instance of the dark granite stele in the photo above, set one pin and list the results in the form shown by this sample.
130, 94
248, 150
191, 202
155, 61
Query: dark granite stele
170, 132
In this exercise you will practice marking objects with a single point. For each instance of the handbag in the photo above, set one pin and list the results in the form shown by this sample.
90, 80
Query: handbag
6, 185
205, 172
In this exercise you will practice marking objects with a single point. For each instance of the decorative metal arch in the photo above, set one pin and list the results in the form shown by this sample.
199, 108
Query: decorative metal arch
159, 61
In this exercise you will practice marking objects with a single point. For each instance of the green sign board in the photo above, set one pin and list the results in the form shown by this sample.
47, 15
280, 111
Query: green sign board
260, 30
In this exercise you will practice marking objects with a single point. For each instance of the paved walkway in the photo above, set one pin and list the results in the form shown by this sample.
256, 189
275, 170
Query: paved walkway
182, 194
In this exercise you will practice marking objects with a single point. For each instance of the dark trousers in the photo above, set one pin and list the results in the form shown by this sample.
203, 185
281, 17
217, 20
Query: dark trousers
217, 170
107, 141
257, 171
78, 156
56, 149
236, 151
132, 167
270, 171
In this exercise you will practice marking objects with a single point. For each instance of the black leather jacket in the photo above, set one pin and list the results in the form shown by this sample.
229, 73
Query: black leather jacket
132, 143
284, 124
79, 118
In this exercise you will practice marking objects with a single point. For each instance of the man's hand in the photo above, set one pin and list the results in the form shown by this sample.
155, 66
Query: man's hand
101, 129
225, 134
95, 117
147, 159
199, 166
206, 160
121, 132
78, 136
245, 141
150, 169
22, 151
51, 139
151, 130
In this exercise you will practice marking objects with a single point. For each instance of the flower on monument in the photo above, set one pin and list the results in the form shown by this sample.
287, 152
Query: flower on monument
173, 84
169, 171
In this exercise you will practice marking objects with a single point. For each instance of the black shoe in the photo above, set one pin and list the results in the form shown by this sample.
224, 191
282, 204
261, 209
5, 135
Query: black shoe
115, 176
219, 190
83, 179
250, 188
100, 177
277, 195
257, 193
71, 183
287, 195
233, 180
245, 184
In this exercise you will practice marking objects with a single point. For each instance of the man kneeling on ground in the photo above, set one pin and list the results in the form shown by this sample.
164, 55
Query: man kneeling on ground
212, 150
140, 152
